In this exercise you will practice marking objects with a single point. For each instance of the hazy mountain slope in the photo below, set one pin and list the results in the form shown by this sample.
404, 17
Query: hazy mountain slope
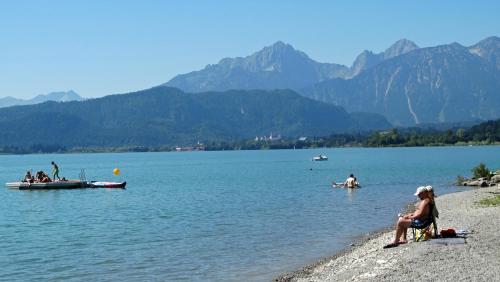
439, 84
53, 96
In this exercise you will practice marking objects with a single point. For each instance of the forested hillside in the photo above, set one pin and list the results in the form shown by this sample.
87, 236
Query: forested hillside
167, 116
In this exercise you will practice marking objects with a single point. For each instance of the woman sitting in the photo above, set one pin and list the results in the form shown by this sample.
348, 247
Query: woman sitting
419, 219
42, 177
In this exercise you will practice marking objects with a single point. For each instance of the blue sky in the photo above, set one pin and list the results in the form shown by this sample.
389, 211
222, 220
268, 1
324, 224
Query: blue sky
104, 47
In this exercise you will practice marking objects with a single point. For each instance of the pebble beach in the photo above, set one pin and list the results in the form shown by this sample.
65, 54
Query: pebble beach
475, 258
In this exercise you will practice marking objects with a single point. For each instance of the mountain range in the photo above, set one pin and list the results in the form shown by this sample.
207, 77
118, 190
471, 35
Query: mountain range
447, 83
63, 96
279, 66
407, 84
167, 116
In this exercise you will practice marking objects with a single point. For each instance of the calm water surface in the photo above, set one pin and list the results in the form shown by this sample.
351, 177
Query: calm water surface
210, 216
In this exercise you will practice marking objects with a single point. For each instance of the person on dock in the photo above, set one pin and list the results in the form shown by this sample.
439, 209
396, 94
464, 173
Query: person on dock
28, 177
42, 177
55, 171
417, 219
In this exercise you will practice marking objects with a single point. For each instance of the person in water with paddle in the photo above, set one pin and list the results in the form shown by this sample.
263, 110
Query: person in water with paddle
55, 171
350, 182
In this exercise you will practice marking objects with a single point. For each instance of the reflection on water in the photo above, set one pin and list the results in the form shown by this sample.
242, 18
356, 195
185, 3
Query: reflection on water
351, 194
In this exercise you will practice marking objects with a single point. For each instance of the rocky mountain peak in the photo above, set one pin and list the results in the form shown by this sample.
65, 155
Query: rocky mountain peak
280, 45
279, 51
363, 61
488, 41
400, 47
489, 49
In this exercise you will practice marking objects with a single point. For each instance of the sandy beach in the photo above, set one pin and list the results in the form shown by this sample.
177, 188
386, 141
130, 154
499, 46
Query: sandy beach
475, 258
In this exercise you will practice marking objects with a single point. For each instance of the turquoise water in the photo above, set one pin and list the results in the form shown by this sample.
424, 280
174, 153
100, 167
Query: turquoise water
210, 216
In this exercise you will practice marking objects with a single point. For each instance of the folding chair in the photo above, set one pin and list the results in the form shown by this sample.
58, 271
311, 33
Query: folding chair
428, 228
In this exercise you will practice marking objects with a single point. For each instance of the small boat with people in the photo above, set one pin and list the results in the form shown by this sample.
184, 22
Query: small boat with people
320, 158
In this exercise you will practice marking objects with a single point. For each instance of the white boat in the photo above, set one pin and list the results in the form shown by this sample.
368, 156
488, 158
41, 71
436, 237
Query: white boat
70, 184
320, 158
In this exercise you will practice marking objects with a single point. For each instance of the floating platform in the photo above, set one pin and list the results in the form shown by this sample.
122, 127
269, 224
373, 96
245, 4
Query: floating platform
70, 184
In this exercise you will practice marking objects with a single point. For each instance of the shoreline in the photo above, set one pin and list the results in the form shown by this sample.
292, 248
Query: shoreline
106, 150
367, 260
358, 241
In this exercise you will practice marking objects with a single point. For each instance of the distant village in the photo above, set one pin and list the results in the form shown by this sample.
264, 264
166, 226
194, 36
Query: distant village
198, 147
201, 147
268, 138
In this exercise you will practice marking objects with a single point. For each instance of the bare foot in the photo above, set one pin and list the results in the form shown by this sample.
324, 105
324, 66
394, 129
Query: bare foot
391, 245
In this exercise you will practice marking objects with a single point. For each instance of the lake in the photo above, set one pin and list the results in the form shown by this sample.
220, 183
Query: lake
210, 216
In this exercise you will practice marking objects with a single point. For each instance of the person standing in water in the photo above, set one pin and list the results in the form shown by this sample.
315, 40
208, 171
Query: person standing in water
55, 171
350, 182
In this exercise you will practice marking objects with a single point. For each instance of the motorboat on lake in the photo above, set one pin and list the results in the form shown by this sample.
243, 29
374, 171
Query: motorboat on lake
320, 158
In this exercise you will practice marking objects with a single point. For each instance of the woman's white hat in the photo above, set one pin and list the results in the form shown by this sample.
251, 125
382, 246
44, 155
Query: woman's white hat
420, 190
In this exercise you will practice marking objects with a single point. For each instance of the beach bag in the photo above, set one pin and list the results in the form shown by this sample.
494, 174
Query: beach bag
448, 233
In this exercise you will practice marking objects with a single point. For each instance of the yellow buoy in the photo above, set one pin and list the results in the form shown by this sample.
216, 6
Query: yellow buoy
116, 171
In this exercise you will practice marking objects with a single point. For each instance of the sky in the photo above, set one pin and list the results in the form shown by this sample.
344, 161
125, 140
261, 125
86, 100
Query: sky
98, 48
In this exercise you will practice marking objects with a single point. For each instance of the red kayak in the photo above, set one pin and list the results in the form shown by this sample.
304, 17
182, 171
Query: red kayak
105, 184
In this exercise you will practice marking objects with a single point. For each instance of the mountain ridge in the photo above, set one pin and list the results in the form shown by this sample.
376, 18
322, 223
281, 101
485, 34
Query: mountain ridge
279, 66
368, 59
58, 96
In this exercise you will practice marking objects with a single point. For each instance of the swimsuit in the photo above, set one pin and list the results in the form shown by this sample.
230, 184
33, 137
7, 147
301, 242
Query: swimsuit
422, 223
419, 224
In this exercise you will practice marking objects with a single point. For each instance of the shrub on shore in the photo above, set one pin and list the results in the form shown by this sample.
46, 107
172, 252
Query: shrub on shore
481, 176
481, 171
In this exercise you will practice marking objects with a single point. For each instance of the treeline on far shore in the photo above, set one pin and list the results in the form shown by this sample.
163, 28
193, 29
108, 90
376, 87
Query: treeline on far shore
486, 133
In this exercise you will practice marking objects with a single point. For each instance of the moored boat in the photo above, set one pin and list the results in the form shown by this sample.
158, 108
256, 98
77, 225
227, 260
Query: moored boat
106, 184
320, 158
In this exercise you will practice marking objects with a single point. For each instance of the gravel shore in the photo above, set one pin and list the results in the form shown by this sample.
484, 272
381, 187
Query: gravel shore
476, 258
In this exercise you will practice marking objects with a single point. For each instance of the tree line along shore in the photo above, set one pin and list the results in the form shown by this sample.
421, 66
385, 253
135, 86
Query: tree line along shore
486, 133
